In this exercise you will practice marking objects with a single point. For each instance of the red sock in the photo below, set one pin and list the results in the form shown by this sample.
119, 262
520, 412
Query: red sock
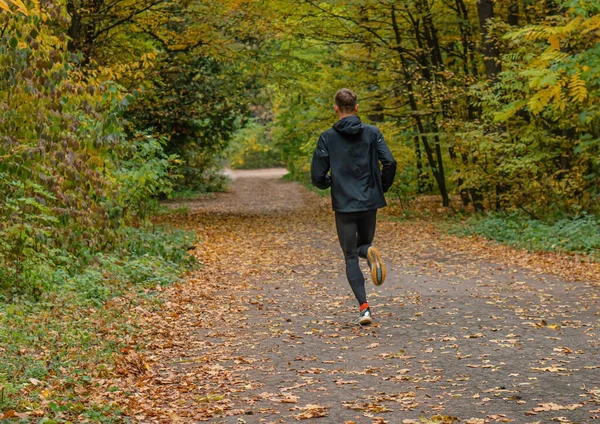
364, 306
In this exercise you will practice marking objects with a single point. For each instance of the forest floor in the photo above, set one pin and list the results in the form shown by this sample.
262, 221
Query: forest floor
263, 333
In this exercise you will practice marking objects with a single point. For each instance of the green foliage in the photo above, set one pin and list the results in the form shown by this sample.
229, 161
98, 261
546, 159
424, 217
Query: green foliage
58, 133
574, 235
546, 147
211, 180
253, 148
540, 138
523, 136
406, 182
192, 64
71, 179
171, 246
146, 172
296, 128
192, 108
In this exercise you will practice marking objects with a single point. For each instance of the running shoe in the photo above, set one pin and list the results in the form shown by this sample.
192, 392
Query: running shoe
376, 265
364, 318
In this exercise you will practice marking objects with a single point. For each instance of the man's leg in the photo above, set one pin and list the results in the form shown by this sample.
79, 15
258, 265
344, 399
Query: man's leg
366, 231
347, 231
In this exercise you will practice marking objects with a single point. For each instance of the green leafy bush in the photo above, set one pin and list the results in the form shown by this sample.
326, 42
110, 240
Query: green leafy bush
59, 134
193, 101
210, 180
539, 142
147, 172
253, 148
71, 181
405, 183
171, 246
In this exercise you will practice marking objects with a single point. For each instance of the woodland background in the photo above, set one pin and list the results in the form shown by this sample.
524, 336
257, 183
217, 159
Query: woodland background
109, 106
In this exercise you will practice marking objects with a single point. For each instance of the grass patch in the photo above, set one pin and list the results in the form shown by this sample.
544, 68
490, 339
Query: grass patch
55, 348
579, 235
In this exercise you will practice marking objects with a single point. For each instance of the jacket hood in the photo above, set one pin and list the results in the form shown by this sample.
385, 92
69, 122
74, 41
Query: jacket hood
350, 125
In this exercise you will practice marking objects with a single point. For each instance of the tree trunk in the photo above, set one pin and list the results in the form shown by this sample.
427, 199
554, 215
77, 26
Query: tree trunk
75, 29
485, 9
513, 13
423, 182
468, 195
81, 31
466, 38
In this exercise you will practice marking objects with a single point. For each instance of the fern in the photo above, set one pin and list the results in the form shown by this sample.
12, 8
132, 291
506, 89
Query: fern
577, 89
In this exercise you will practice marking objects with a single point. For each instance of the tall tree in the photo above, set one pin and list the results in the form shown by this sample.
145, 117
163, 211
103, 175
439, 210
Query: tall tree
485, 9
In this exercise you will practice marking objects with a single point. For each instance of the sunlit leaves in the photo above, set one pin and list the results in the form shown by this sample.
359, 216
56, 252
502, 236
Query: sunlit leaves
18, 5
577, 88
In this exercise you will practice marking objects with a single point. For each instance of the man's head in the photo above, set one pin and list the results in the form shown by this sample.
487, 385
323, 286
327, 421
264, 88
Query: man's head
345, 102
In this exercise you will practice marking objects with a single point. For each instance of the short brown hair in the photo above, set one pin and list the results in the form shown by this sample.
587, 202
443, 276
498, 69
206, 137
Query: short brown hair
345, 100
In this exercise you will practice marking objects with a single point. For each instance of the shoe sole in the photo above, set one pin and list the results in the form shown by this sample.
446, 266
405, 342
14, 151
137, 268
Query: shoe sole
378, 271
365, 320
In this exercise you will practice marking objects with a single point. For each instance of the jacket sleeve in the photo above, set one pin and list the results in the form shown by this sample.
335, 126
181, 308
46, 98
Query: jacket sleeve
389, 163
320, 166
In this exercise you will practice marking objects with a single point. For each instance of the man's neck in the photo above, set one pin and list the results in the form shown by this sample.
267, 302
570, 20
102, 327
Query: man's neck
342, 116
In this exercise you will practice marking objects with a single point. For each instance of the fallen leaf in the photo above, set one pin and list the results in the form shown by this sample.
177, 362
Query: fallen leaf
544, 407
312, 411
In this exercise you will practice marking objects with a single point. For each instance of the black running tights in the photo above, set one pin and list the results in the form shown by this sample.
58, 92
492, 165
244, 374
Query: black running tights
356, 231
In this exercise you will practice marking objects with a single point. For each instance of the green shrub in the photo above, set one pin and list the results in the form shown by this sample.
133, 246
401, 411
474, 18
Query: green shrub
145, 173
253, 148
70, 177
147, 254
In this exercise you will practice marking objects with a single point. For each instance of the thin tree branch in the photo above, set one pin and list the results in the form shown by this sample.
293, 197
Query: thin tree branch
127, 19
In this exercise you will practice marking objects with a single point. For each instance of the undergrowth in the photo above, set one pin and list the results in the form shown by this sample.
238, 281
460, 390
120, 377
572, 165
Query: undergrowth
56, 345
579, 234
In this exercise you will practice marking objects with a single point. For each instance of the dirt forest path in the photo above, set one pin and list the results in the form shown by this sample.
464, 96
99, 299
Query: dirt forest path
263, 332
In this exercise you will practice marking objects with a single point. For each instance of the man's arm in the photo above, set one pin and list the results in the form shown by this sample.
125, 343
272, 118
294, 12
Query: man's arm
320, 166
389, 163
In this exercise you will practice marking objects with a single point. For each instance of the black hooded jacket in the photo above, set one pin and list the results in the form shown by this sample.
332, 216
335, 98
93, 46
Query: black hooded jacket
353, 151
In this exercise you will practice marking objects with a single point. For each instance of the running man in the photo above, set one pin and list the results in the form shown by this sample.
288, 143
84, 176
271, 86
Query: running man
352, 151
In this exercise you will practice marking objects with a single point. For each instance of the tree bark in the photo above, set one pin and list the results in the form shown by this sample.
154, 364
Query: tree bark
513, 13
485, 9
468, 195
